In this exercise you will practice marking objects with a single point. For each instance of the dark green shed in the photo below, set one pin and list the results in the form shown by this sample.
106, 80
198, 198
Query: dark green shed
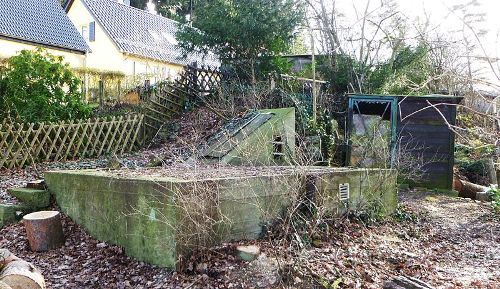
413, 133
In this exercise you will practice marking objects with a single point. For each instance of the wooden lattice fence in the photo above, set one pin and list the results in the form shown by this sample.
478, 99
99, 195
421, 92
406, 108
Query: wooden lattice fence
167, 98
202, 79
26, 143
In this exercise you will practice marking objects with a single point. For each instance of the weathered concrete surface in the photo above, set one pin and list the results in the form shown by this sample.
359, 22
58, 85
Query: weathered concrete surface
159, 219
369, 189
8, 213
253, 144
36, 199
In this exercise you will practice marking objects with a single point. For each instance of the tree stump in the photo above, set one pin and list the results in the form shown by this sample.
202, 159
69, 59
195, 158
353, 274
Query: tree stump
44, 230
22, 275
4, 286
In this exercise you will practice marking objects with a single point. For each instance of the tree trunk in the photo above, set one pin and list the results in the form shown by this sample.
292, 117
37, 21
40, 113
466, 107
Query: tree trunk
22, 275
252, 70
492, 173
44, 230
467, 189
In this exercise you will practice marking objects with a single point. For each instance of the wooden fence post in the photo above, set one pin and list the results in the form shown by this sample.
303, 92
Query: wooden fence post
101, 93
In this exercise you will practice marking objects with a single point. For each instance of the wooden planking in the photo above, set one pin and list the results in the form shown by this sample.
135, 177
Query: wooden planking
423, 129
427, 128
22, 144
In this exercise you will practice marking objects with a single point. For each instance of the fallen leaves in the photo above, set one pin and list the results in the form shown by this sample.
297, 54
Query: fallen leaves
456, 246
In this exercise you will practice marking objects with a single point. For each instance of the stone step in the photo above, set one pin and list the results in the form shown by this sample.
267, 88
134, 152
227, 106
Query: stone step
35, 199
10, 213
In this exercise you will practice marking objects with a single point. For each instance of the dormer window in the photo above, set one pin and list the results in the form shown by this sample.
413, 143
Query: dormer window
88, 32
85, 32
170, 38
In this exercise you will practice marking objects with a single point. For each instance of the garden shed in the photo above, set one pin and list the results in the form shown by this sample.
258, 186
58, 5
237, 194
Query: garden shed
413, 133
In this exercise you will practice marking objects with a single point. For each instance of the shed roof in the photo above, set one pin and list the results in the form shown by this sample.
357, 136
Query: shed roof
433, 97
141, 33
41, 22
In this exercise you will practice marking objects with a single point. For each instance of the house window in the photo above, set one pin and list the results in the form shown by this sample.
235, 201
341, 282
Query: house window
85, 32
88, 32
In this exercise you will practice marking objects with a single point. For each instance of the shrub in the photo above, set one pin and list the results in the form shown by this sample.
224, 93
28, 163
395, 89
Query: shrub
37, 86
494, 192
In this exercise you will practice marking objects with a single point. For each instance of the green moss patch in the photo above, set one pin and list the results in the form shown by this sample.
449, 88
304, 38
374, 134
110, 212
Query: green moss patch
8, 213
33, 198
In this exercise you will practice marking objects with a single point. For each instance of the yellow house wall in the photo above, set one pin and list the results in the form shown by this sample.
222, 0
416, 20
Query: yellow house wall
106, 56
10, 48
135, 65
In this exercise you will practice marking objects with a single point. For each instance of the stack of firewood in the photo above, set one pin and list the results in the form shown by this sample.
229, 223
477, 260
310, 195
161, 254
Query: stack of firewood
16, 273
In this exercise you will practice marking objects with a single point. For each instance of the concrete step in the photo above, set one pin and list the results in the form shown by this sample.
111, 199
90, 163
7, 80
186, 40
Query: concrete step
33, 198
10, 213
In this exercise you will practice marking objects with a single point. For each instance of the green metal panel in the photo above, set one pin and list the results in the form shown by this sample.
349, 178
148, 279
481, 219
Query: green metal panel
390, 100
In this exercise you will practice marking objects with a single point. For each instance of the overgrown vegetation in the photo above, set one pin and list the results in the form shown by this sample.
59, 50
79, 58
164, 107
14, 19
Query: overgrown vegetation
471, 162
405, 73
36, 86
494, 191
243, 33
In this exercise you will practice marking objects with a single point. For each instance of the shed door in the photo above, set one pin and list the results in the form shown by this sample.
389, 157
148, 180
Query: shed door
371, 132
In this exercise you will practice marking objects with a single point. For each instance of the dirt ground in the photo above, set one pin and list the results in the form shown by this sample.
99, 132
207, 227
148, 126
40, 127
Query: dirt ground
443, 240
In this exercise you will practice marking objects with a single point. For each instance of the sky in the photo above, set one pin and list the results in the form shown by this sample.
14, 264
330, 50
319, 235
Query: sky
439, 11
441, 17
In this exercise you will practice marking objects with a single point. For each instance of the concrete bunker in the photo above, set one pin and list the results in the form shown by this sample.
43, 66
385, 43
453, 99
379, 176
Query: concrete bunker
159, 215
262, 137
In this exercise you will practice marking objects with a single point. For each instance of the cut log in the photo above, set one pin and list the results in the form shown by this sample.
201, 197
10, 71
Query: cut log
44, 230
467, 189
22, 275
6, 257
248, 253
4, 286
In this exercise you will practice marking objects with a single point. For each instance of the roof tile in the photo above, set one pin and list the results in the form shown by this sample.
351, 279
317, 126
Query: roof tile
141, 33
39, 21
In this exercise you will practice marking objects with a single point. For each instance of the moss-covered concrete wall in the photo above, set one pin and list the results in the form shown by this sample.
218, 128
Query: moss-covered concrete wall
257, 147
159, 219
369, 189
132, 213
156, 219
